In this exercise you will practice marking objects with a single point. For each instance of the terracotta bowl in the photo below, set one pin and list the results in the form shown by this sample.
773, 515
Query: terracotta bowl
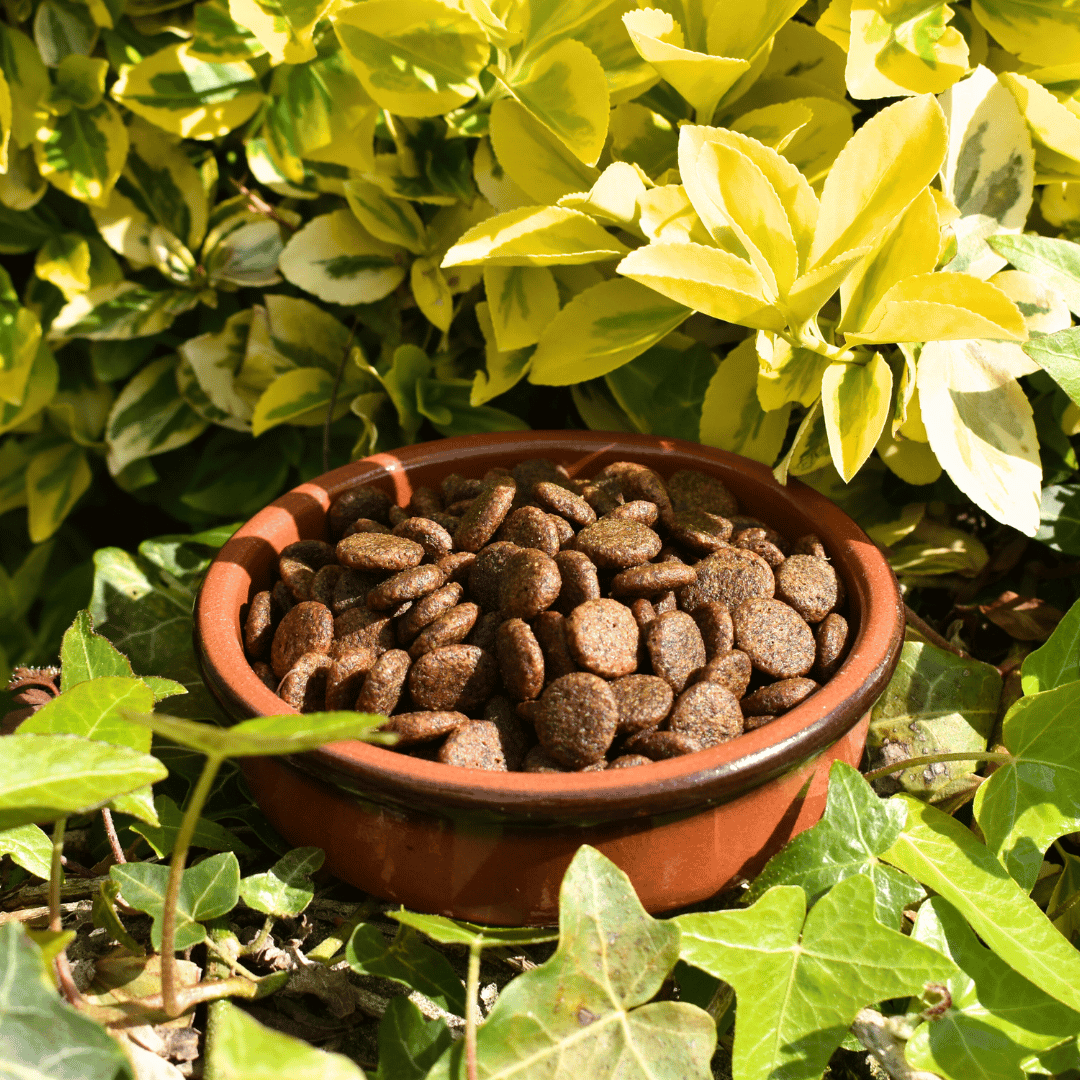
492, 847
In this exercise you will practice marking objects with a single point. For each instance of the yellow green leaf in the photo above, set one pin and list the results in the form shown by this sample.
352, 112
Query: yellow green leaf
801, 51
705, 279
298, 397
27, 79
668, 217
243, 247
773, 125
627, 75
1040, 32
414, 57
55, 481
21, 187
535, 236
494, 182
614, 198
787, 374
119, 311
701, 79
809, 450
64, 259
503, 369
125, 227
216, 358
813, 288
187, 96
81, 414
5, 121
431, 292
566, 91
1043, 309
219, 37
982, 430
888, 161
644, 137
731, 415
1055, 130
942, 307
856, 401
522, 301
835, 23
532, 157
914, 462
601, 329
40, 388
742, 28
283, 27
20, 340
393, 221
337, 259
80, 84
83, 152
14, 457
816, 145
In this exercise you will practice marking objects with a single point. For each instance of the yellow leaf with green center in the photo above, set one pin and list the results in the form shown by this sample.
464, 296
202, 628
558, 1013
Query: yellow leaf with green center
1040, 32
5, 121
21, 188
533, 157
668, 216
283, 27
431, 292
888, 161
195, 98
414, 57
787, 374
801, 51
298, 397
701, 79
334, 257
627, 75
705, 279
856, 399
644, 137
1055, 130
503, 369
981, 428
522, 301
914, 462
64, 260
80, 84
835, 23
40, 387
220, 38
393, 221
120, 311
742, 28
215, 359
83, 152
566, 91
809, 450
814, 147
14, 457
731, 415
27, 79
614, 198
1043, 309
55, 481
773, 125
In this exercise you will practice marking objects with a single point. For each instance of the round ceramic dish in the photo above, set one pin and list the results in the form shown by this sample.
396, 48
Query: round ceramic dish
492, 847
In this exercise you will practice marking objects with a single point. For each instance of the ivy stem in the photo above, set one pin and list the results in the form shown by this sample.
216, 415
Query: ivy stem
261, 939
114, 840
472, 990
920, 626
333, 397
173, 1006
1064, 908
55, 870
933, 759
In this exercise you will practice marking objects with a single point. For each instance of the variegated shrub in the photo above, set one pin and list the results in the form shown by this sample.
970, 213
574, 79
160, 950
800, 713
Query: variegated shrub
258, 219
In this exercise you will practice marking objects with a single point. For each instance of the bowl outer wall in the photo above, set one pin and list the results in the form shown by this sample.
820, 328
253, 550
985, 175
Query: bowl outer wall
247, 562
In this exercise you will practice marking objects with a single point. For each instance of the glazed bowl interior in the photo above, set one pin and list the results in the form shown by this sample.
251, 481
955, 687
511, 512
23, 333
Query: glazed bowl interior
248, 562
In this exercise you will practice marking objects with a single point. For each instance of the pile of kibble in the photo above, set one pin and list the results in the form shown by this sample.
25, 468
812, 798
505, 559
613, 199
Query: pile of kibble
533, 621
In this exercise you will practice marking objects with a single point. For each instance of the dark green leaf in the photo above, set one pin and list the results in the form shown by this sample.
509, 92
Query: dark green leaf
207, 890
857, 827
408, 1043
1059, 518
453, 932
1054, 262
208, 834
286, 888
95, 710
106, 918
445, 402
1057, 660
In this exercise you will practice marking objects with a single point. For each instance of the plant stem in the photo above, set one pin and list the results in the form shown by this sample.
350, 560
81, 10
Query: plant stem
234, 966
114, 840
333, 398
932, 636
255, 945
55, 870
933, 759
1064, 908
172, 1004
472, 988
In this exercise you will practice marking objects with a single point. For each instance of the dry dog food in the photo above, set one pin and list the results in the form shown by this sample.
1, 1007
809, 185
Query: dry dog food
533, 621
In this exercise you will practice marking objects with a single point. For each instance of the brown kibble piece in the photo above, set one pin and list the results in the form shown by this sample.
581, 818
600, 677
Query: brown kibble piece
693, 490
675, 648
450, 628
808, 585
709, 713
455, 487
643, 700
366, 525
731, 669
383, 684
282, 599
351, 589
298, 563
515, 737
730, 576
714, 622
486, 571
346, 677
429, 534
427, 609
603, 495
580, 581
538, 760
603, 637
521, 661
259, 625
362, 628
414, 728
487, 512
529, 583
643, 612
560, 500
304, 684
324, 582
775, 637
809, 545
409, 584
456, 567
459, 677
372, 551
424, 502
699, 530
756, 541
831, 636
615, 545
266, 675
397, 515
752, 723
474, 745
307, 628
359, 502
639, 510
658, 745
483, 633
549, 628
533, 471
629, 761
649, 579
665, 602
530, 527
778, 697
577, 719
637, 481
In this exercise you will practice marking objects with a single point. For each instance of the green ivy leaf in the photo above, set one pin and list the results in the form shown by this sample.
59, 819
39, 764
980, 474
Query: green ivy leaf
85, 655
207, 890
588, 1002
43, 1035
94, 710
45, 777
856, 828
1055, 262
208, 834
29, 847
286, 888
455, 932
409, 1044
1057, 661
798, 987
105, 917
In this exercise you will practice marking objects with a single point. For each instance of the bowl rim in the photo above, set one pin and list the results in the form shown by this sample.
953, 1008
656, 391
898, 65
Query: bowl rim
674, 785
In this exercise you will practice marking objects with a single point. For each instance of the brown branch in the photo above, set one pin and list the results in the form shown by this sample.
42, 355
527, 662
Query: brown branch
922, 627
